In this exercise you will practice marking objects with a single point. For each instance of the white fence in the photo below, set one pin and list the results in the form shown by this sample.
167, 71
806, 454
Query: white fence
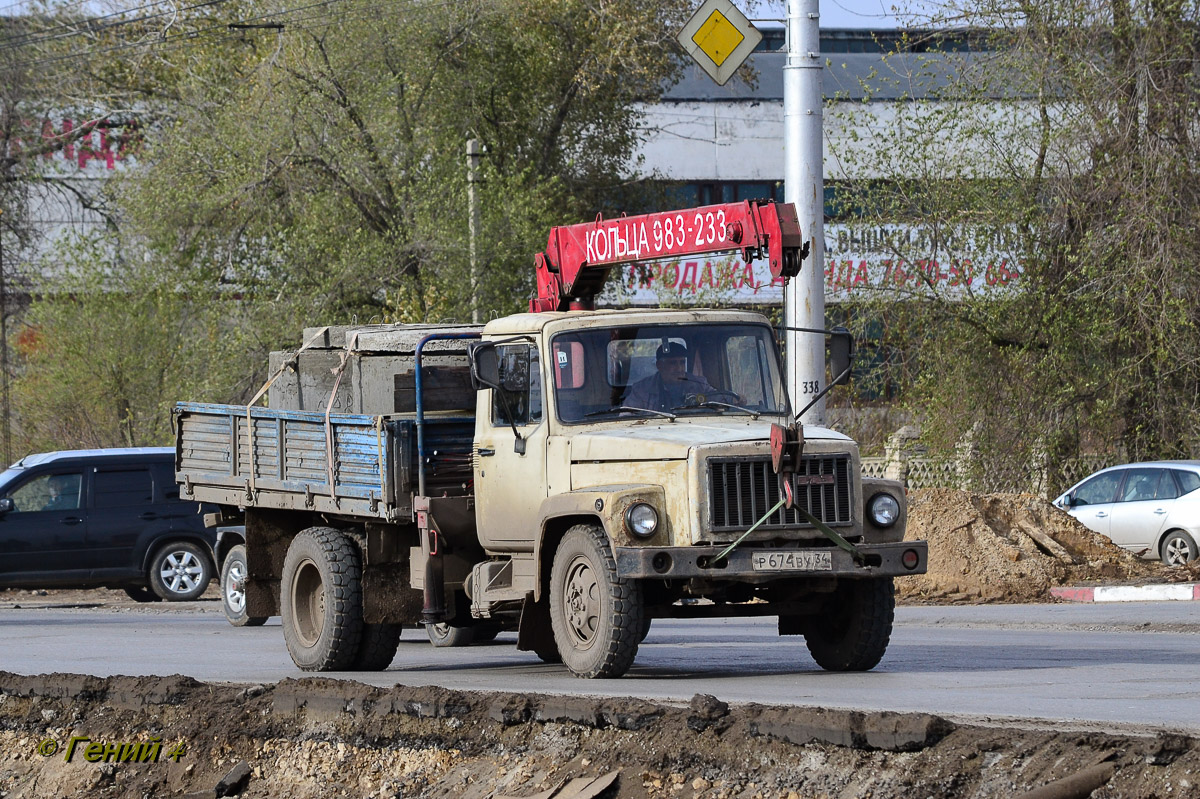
906, 461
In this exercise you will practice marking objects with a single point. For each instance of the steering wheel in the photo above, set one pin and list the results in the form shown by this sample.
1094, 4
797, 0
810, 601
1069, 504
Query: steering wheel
716, 395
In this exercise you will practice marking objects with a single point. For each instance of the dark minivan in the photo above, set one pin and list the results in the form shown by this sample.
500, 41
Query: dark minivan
102, 517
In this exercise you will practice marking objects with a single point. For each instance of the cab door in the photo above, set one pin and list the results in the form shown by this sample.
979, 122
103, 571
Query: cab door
510, 486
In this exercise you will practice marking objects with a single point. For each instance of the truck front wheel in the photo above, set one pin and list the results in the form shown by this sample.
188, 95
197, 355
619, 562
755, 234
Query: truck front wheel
855, 624
596, 615
321, 600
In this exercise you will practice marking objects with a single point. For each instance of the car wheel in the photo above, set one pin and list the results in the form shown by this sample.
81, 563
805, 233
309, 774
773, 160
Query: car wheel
321, 600
233, 589
448, 635
140, 593
596, 614
180, 571
852, 631
1178, 548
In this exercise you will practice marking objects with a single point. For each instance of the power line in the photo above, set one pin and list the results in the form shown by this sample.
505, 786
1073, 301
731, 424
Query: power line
171, 39
218, 33
34, 37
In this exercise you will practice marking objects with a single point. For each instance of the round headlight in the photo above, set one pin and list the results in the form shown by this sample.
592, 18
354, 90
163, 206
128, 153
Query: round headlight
884, 510
641, 519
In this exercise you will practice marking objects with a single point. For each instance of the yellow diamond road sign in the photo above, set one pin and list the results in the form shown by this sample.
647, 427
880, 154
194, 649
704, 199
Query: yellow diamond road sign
719, 37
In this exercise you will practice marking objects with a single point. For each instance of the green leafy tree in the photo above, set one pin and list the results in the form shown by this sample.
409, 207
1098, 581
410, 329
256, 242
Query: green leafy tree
105, 355
326, 176
305, 165
1069, 148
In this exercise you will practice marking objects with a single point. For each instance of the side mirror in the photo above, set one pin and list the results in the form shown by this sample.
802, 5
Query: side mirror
841, 351
6, 505
485, 365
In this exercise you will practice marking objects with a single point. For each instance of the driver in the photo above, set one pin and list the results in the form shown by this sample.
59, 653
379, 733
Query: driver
668, 387
63, 493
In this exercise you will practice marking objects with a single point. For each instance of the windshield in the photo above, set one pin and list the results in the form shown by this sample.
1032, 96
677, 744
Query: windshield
666, 370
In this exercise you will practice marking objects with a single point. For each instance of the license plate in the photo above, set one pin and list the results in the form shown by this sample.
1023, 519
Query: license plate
793, 561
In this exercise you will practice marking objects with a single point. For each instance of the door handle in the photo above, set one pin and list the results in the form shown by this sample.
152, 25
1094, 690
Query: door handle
72, 520
1101, 514
1159, 511
486, 453
149, 516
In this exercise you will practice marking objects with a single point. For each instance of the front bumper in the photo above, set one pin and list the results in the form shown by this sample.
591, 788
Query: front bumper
681, 563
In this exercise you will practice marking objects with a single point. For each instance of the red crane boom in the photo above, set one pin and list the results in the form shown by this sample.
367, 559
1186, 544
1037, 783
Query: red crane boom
572, 270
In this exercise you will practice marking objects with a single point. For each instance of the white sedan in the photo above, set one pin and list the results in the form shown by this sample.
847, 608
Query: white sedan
1149, 508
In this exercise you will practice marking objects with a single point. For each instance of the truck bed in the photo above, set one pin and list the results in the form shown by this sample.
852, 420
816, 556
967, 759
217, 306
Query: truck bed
286, 464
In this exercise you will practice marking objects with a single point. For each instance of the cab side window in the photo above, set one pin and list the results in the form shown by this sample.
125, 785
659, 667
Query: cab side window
49, 492
519, 364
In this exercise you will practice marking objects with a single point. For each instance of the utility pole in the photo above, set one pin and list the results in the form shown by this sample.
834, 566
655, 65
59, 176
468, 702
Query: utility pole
474, 154
6, 411
804, 185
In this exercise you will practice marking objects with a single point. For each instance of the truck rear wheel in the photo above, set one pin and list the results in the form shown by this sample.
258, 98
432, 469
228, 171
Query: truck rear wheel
445, 634
233, 589
377, 648
855, 624
596, 615
321, 600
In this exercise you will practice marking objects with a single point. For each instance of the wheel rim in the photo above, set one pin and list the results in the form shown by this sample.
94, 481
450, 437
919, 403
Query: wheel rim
581, 601
235, 587
308, 603
1178, 552
181, 571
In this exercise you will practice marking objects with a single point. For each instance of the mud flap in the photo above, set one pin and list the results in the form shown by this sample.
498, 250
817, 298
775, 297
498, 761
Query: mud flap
792, 625
535, 633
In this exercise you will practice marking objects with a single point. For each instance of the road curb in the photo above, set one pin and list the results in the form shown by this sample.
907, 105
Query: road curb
1129, 593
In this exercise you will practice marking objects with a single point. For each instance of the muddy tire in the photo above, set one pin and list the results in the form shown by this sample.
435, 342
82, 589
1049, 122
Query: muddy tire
233, 590
377, 647
321, 600
854, 627
444, 634
596, 615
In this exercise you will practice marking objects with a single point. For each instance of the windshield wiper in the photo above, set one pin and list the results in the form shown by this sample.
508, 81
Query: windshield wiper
628, 409
711, 403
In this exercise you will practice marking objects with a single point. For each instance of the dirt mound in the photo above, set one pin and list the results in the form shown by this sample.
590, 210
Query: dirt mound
1009, 548
75, 736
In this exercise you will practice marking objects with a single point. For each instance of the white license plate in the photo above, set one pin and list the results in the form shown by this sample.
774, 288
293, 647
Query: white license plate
792, 561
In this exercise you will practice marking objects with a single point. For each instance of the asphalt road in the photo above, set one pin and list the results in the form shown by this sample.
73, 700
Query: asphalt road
1104, 666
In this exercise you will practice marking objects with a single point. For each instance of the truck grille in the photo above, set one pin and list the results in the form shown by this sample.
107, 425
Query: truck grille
741, 490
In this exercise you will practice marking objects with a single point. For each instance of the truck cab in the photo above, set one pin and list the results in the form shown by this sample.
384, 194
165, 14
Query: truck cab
645, 435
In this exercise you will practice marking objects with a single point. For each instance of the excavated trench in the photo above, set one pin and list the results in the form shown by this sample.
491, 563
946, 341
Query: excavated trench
75, 736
